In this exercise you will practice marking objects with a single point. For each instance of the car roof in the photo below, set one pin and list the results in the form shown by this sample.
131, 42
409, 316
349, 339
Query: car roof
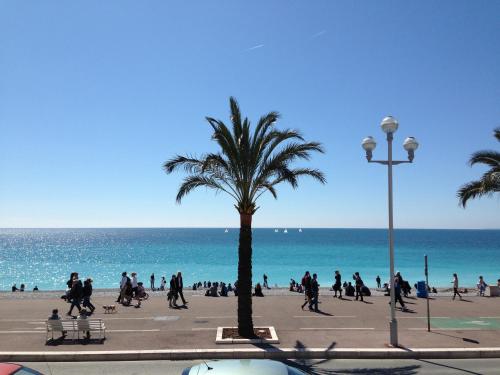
240, 367
8, 368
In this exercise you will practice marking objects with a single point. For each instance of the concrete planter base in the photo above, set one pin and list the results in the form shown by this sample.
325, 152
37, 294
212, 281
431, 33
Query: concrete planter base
273, 340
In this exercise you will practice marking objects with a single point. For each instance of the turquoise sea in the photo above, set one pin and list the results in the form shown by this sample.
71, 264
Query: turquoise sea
45, 257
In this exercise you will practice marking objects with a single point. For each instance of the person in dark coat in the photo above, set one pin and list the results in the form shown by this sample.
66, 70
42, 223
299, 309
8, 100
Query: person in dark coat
172, 293
179, 285
87, 292
337, 287
306, 283
313, 305
75, 295
358, 284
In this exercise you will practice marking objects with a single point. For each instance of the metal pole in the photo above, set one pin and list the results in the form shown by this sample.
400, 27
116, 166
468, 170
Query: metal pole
393, 325
427, 291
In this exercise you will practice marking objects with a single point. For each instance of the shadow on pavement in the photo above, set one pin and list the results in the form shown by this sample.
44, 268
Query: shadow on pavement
472, 341
448, 366
313, 366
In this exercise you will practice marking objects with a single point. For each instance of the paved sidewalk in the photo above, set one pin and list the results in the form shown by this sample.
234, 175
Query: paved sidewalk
473, 323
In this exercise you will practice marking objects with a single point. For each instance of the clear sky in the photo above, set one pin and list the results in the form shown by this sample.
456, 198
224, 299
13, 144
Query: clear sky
95, 96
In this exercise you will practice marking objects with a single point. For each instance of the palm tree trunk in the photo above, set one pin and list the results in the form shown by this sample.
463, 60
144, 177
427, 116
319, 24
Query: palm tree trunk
245, 323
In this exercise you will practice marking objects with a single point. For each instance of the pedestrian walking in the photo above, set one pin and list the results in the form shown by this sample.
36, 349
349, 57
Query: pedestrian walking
313, 305
337, 287
265, 282
172, 293
152, 281
358, 282
87, 293
378, 281
455, 287
179, 286
397, 293
76, 295
134, 284
306, 283
123, 281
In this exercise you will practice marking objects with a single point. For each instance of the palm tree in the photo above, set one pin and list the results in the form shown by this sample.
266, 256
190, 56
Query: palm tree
247, 166
489, 183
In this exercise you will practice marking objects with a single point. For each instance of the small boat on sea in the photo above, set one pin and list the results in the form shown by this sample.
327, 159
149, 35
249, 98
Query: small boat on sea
300, 230
285, 231
276, 231
226, 231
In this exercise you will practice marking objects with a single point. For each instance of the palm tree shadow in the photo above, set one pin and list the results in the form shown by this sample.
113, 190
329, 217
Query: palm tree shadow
312, 366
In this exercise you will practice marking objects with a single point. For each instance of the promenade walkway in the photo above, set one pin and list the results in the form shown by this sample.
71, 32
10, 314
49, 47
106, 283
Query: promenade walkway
472, 323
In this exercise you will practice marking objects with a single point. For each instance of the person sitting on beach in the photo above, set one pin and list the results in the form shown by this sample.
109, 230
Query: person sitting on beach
223, 290
35, 289
14, 288
434, 290
229, 287
481, 286
163, 283
349, 290
22, 288
258, 291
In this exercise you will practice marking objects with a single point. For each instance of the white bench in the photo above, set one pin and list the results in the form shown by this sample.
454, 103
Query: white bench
494, 291
91, 325
75, 325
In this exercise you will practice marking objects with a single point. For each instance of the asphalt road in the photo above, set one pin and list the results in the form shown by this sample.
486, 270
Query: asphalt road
315, 367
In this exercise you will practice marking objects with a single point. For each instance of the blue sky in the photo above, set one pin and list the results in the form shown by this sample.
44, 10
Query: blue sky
95, 96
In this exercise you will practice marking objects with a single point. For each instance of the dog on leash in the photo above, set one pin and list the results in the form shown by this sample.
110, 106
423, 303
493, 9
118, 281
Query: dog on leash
109, 309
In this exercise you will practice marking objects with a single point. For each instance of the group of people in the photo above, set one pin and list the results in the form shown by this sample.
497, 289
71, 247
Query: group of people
22, 288
175, 291
78, 294
131, 289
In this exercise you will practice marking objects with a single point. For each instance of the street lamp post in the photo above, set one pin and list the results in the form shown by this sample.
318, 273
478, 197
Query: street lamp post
389, 126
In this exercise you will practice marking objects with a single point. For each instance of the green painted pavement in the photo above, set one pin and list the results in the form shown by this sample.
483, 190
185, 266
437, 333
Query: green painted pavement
466, 323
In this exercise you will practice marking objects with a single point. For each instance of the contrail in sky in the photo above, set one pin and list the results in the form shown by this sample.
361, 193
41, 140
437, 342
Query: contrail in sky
319, 34
255, 47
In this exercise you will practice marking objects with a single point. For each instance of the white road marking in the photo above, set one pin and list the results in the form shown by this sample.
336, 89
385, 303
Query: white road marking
224, 317
133, 330
324, 316
109, 330
204, 329
337, 329
421, 317
489, 317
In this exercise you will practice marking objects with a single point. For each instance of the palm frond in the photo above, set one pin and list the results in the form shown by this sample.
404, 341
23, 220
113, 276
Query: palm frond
194, 181
488, 157
496, 134
190, 164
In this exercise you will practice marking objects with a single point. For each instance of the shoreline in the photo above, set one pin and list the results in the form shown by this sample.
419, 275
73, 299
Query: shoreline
275, 291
